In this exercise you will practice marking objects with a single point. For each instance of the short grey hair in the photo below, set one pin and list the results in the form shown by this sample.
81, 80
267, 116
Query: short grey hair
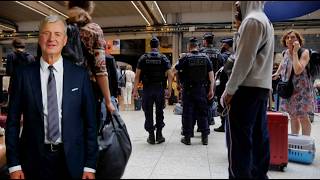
52, 19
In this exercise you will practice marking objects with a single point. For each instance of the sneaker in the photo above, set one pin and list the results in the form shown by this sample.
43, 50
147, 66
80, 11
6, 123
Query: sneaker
219, 129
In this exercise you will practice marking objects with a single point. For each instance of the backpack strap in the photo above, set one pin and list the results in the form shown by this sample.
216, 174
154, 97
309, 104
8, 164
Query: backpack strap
300, 51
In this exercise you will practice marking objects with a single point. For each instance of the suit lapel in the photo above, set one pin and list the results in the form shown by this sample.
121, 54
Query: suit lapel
36, 86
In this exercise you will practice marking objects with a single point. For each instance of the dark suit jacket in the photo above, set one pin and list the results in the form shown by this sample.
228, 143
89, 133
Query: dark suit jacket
78, 121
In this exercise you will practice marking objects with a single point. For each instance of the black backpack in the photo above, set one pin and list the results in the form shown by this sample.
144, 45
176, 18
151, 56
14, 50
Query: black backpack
74, 49
313, 67
122, 79
215, 57
113, 76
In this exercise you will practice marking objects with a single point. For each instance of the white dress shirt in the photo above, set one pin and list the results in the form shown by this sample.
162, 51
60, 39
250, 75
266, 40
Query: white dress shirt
58, 75
44, 76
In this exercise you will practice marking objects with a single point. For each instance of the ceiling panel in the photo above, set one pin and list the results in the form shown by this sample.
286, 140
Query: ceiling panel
114, 8
194, 6
17, 13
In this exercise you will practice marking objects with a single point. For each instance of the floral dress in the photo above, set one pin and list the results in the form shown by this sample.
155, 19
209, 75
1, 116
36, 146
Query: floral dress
302, 100
92, 36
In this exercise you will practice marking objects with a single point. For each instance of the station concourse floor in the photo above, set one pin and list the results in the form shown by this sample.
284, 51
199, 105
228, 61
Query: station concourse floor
174, 160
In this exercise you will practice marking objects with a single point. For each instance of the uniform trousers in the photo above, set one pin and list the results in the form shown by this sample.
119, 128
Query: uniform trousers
195, 106
153, 93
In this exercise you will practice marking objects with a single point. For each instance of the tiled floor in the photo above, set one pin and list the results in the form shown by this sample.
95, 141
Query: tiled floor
173, 160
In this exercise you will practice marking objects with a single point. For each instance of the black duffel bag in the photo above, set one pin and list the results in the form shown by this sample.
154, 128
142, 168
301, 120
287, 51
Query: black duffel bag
285, 88
114, 148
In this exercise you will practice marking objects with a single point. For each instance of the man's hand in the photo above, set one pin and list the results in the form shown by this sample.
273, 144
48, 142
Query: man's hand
225, 99
110, 107
135, 94
168, 94
275, 76
210, 94
17, 175
88, 175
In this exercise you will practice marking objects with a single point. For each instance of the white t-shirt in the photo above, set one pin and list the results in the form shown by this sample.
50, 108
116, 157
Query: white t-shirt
130, 75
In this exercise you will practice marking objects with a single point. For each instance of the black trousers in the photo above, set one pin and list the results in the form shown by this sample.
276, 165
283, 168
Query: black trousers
54, 165
153, 94
247, 134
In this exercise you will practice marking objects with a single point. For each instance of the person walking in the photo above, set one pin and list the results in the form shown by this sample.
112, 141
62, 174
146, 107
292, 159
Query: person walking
93, 40
127, 90
154, 69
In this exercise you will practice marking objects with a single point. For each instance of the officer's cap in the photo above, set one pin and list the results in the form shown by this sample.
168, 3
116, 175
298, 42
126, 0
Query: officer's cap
193, 40
208, 35
228, 41
154, 42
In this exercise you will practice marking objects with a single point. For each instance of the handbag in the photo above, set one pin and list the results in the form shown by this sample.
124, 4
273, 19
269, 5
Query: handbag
285, 88
114, 148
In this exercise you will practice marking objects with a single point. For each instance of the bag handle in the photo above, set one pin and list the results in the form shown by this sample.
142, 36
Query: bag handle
111, 118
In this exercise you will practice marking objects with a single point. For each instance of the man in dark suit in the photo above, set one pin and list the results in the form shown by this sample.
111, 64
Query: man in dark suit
58, 138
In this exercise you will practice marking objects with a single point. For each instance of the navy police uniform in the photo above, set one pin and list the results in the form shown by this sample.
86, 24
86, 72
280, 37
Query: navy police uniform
212, 52
217, 62
194, 68
221, 81
153, 67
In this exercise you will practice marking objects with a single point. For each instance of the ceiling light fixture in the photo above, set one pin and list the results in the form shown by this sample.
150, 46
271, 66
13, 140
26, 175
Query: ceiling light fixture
155, 2
7, 27
140, 13
31, 8
44, 4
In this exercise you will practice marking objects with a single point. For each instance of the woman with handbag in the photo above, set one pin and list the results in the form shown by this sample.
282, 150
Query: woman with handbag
292, 69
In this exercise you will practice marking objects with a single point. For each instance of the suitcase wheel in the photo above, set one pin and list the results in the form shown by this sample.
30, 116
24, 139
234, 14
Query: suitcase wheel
282, 168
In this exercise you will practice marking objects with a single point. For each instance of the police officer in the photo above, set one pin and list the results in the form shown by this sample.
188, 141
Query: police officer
222, 79
212, 52
153, 68
196, 69
217, 62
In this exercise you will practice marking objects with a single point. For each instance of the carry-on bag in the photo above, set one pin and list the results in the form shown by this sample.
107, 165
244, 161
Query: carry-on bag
114, 148
278, 136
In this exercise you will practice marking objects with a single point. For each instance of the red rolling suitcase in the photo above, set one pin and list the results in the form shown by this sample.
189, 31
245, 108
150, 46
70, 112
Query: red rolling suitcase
278, 133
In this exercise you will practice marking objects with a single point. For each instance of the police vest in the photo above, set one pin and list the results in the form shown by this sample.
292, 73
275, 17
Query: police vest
215, 57
153, 70
196, 70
